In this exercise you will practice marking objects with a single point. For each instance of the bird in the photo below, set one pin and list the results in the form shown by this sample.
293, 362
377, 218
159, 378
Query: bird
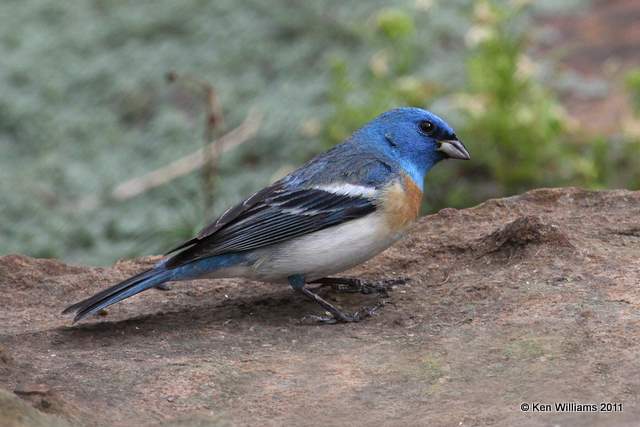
336, 211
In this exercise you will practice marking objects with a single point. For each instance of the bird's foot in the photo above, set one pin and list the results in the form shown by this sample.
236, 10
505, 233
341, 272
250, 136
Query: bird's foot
341, 317
163, 287
297, 282
353, 285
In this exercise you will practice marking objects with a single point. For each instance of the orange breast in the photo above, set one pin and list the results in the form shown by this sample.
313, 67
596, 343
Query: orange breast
401, 203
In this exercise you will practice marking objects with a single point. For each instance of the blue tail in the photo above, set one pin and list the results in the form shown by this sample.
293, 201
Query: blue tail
130, 287
149, 279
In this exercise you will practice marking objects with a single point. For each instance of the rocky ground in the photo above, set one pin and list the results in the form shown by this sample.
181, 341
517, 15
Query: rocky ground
529, 299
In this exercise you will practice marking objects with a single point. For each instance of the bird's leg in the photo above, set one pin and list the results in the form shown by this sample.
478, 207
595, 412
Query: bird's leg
297, 282
353, 285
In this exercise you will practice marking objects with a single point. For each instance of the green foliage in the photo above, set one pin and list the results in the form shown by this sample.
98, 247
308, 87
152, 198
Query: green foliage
518, 123
515, 128
85, 107
633, 84
513, 125
395, 24
385, 83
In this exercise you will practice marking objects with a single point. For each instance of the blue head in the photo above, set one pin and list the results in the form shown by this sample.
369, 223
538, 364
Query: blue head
417, 139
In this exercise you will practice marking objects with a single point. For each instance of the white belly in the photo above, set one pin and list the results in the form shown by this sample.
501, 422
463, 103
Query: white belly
325, 252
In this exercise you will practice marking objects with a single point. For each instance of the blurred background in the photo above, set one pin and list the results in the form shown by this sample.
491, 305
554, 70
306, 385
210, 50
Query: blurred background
543, 93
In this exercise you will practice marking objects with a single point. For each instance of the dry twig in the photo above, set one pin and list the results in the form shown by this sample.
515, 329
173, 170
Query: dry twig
187, 164
214, 123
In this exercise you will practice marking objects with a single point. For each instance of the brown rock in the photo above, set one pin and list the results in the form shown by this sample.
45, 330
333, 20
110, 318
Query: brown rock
533, 298
17, 413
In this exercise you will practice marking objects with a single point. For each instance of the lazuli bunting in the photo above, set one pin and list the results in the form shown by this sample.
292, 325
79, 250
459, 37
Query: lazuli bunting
336, 211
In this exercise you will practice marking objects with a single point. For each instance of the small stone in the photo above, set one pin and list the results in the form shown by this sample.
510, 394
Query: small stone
25, 389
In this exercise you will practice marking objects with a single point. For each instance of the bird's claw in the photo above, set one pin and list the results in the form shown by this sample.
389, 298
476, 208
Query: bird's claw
325, 320
359, 315
352, 285
358, 286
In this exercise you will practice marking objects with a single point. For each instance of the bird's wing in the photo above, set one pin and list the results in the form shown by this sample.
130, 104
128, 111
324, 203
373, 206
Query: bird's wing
274, 215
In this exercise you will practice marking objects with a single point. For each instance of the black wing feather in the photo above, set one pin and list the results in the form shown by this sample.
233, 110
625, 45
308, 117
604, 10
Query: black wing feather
231, 215
271, 216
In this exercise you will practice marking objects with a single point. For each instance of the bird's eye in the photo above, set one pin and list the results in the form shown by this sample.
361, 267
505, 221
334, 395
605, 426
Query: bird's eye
426, 127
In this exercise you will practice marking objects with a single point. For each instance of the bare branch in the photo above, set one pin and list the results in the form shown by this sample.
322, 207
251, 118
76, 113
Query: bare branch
187, 164
214, 123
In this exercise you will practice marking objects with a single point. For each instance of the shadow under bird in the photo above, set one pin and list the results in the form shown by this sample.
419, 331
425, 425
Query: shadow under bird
338, 210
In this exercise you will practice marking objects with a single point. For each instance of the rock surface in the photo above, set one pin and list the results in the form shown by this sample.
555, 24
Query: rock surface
533, 298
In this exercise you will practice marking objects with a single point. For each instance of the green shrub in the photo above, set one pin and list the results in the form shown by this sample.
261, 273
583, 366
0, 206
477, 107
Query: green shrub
633, 84
515, 122
386, 83
514, 126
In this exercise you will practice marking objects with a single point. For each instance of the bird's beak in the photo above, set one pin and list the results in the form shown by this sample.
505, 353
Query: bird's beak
454, 149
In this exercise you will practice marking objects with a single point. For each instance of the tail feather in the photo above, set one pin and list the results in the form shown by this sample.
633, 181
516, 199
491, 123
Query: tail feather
132, 286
